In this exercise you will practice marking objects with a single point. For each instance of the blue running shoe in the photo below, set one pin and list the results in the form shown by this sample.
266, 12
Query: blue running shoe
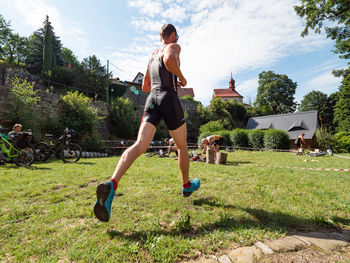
194, 186
105, 194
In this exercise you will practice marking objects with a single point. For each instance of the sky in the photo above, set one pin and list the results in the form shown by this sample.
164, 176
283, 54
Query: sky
218, 38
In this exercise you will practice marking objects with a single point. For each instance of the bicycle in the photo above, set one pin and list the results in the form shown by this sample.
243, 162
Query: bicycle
10, 153
62, 148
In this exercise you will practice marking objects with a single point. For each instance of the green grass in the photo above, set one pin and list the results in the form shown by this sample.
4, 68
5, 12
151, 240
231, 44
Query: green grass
47, 209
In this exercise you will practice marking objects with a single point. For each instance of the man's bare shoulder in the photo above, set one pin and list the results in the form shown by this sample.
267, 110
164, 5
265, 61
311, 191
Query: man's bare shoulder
174, 46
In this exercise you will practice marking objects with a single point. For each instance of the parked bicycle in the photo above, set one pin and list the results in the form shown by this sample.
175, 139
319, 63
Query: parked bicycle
20, 153
62, 148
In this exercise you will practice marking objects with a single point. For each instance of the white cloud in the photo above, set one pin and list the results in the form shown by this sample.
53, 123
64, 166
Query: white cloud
218, 37
325, 82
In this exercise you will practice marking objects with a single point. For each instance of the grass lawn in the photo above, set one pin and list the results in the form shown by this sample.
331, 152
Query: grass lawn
47, 210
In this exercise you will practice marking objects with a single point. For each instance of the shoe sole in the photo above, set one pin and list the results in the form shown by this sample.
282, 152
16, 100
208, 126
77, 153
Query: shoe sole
186, 194
100, 209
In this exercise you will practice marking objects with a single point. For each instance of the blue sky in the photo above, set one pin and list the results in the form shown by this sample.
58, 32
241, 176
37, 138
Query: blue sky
217, 38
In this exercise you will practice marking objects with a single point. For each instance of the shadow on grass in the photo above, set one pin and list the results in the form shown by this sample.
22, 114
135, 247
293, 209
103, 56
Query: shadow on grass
236, 163
274, 221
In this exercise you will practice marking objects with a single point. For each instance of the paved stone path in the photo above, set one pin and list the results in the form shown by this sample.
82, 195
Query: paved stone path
322, 240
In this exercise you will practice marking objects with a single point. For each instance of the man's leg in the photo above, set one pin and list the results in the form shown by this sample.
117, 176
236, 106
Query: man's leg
144, 138
180, 137
106, 191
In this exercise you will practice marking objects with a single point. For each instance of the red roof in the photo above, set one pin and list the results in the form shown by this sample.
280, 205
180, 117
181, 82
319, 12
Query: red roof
185, 91
226, 93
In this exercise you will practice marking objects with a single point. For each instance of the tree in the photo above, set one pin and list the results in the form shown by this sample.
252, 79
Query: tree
342, 107
49, 58
13, 47
275, 91
92, 76
316, 12
69, 57
5, 32
35, 56
314, 100
329, 113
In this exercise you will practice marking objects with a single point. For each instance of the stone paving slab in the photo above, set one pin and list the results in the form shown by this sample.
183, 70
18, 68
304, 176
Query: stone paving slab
203, 260
245, 254
288, 243
224, 259
265, 249
325, 241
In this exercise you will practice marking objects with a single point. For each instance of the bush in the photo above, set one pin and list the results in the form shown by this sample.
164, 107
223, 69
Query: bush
256, 139
78, 114
324, 139
62, 75
123, 116
276, 139
342, 142
25, 99
212, 127
239, 138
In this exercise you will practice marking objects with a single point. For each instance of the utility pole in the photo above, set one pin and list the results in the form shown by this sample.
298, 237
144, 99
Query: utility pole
107, 89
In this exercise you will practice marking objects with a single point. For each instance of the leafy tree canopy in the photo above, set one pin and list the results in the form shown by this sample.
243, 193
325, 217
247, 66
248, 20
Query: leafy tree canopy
337, 14
275, 91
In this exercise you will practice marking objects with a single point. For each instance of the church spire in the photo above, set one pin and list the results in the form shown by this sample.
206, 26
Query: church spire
232, 84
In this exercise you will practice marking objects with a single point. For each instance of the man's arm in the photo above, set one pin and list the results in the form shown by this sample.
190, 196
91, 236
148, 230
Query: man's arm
172, 61
146, 83
204, 149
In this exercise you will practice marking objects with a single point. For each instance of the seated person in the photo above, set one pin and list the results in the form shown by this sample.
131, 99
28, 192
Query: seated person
171, 146
17, 128
212, 140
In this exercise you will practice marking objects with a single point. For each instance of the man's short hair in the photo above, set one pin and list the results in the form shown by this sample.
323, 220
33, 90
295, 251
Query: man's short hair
166, 31
17, 125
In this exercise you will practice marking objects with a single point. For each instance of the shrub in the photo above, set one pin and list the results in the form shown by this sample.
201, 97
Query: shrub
342, 142
324, 139
239, 138
25, 99
78, 113
256, 139
123, 118
212, 127
276, 139
187, 97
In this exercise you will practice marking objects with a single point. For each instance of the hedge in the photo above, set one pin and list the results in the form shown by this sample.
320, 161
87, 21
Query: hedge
256, 139
239, 138
276, 139
342, 142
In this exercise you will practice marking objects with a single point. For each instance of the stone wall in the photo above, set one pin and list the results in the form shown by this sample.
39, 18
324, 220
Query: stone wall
51, 102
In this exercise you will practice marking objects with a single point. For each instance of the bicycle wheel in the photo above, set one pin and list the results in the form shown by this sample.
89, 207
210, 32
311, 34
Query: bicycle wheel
42, 151
24, 158
70, 153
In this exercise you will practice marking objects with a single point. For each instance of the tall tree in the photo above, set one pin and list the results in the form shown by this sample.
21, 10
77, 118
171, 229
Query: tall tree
342, 107
5, 32
275, 91
49, 58
317, 12
34, 60
330, 107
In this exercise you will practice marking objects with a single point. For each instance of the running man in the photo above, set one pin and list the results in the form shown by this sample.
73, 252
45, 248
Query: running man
162, 103
212, 140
